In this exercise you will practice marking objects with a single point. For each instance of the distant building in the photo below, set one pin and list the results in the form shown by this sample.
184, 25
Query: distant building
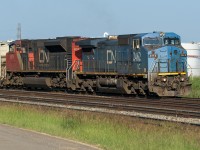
193, 54
4, 48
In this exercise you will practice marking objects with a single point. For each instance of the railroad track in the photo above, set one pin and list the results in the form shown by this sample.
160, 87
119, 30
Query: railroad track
175, 107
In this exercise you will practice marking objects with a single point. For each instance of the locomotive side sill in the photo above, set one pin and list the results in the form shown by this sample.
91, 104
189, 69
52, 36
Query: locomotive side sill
109, 73
171, 73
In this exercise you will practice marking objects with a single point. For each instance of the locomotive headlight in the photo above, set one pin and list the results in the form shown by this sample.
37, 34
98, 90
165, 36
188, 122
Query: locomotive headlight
164, 79
182, 79
153, 55
183, 55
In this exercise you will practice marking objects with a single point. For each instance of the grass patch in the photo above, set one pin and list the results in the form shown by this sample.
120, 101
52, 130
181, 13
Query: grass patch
109, 132
195, 93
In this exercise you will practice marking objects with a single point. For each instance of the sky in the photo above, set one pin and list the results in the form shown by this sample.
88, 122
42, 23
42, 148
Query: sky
91, 18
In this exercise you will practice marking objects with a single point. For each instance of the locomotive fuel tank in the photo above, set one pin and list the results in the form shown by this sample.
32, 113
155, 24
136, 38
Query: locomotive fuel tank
111, 82
37, 82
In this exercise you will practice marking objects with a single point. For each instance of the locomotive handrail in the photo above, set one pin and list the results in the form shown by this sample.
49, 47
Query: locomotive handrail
191, 71
155, 62
69, 70
153, 66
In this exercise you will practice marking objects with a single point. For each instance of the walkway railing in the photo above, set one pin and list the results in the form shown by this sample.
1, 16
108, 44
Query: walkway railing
69, 71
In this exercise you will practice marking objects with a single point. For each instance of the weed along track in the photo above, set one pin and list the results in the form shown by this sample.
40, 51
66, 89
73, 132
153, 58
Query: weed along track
172, 109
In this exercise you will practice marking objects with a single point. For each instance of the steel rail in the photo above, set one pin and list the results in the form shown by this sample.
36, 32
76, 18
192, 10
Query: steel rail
168, 107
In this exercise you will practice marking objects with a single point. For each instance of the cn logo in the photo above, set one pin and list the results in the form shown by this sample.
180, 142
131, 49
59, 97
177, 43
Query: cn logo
110, 57
43, 56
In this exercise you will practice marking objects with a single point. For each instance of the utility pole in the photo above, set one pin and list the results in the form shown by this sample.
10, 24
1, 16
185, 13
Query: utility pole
19, 31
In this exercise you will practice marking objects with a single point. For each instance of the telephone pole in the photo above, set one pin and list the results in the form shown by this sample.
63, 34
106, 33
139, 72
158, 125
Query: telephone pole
19, 31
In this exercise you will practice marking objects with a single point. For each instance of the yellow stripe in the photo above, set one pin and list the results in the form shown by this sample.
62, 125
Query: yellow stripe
114, 73
171, 73
108, 73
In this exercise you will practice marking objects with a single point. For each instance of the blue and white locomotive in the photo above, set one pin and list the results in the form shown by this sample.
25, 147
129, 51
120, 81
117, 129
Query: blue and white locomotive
140, 64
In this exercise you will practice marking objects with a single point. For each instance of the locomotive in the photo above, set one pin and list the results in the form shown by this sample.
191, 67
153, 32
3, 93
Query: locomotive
39, 63
133, 64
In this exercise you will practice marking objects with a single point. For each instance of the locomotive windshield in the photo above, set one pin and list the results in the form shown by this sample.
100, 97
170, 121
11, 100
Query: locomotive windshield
152, 41
171, 41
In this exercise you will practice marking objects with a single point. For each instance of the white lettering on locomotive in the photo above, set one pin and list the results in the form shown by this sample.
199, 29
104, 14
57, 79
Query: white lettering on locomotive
136, 56
43, 56
137, 59
110, 57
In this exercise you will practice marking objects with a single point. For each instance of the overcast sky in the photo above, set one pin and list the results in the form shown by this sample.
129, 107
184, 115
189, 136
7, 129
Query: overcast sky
52, 18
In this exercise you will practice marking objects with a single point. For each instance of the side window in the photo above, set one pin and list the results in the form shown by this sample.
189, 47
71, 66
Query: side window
12, 48
18, 47
136, 44
166, 41
172, 42
177, 42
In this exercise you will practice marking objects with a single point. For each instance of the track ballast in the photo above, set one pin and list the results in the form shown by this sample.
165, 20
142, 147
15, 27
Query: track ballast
172, 109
